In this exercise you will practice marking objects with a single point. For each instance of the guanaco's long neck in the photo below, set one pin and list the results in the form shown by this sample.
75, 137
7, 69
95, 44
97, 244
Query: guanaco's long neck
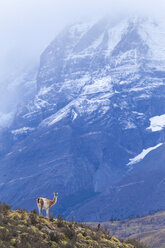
54, 200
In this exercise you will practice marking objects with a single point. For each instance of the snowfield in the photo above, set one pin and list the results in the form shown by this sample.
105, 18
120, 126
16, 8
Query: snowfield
157, 123
142, 155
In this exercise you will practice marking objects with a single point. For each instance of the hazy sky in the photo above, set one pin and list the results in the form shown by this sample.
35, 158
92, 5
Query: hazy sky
28, 26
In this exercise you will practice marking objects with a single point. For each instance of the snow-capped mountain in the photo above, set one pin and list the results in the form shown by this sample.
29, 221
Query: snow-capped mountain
94, 131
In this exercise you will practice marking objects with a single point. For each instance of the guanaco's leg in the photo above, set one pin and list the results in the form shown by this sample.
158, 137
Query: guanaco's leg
40, 211
47, 212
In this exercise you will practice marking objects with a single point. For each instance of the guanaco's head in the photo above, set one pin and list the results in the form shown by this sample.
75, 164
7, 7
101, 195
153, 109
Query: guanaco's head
56, 194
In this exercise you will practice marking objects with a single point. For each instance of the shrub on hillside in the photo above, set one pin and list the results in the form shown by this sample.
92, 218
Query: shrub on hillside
136, 243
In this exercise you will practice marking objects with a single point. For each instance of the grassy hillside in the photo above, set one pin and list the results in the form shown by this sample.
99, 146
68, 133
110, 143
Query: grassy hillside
25, 230
149, 229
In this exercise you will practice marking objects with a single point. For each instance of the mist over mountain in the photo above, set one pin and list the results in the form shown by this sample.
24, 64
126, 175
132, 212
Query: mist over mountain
92, 125
15, 90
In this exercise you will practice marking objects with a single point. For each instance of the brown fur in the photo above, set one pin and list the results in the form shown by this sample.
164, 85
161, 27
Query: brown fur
40, 200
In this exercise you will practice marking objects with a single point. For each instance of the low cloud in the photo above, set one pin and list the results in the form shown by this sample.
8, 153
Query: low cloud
28, 26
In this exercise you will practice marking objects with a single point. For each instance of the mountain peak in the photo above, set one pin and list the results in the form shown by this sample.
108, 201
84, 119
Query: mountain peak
100, 93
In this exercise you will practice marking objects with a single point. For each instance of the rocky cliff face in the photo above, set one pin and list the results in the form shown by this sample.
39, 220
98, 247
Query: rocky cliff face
94, 130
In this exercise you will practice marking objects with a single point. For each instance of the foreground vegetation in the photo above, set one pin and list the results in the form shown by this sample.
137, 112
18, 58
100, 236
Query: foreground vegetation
25, 230
150, 229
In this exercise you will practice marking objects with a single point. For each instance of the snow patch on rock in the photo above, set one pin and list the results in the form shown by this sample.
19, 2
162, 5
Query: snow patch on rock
22, 130
44, 90
157, 123
140, 156
99, 85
